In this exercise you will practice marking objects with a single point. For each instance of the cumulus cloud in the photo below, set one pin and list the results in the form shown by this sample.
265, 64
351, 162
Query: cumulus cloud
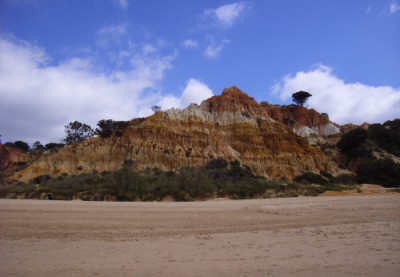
38, 98
227, 15
194, 92
214, 48
394, 7
344, 102
190, 43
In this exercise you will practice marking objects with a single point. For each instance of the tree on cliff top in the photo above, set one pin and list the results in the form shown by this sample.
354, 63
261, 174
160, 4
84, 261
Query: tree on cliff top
300, 97
77, 131
156, 108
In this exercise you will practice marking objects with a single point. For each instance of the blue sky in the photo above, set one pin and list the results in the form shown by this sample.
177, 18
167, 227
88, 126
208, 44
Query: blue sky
65, 60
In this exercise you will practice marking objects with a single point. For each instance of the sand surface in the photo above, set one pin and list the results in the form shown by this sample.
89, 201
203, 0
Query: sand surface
307, 236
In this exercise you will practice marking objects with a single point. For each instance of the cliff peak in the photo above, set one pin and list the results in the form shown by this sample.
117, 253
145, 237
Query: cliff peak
234, 100
235, 93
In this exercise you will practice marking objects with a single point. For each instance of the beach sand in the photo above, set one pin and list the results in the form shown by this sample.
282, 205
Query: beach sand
305, 236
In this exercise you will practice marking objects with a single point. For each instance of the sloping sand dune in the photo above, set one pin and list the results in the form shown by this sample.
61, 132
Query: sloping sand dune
308, 236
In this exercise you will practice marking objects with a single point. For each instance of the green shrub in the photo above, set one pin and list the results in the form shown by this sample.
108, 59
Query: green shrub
106, 127
311, 178
234, 164
394, 126
217, 163
53, 146
385, 138
195, 182
382, 171
243, 189
326, 174
18, 144
352, 139
41, 179
22, 145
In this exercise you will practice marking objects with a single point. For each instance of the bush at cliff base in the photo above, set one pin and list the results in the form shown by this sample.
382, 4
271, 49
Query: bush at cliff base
384, 172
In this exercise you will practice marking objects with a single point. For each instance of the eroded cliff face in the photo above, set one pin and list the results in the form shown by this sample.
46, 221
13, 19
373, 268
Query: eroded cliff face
308, 123
231, 126
14, 159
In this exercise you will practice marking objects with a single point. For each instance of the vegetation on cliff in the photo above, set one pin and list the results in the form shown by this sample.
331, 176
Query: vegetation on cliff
300, 97
218, 179
368, 153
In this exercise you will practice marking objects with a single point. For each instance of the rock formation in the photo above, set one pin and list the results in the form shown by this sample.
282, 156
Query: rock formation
304, 122
232, 126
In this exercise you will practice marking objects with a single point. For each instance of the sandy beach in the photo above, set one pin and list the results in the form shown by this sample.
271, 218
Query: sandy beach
306, 236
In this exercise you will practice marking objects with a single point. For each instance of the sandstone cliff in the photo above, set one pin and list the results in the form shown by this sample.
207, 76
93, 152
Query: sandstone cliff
232, 126
304, 122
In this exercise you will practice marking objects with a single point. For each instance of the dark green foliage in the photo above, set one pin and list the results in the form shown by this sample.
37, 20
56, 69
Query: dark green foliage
107, 127
194, 182
217, 163
326, 174
234, 164
77, 131
385, 137
66, 187
41, 179
18, 144
156, 108
53, 145
240, 172
300, 97
381, 171
125, 184
16, 188
311, 178
216, 179
352, 139
394, 126
358, 146
37, 146
240, 189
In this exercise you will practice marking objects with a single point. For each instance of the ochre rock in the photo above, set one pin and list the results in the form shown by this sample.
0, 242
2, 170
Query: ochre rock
13, 159
231, 126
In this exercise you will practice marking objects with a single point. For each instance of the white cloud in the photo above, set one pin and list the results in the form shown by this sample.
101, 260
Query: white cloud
213, 49
113, 30
123, 4
227, 15
190, 43
148, 49
344, 102
394, 7
37, 98
194, 92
